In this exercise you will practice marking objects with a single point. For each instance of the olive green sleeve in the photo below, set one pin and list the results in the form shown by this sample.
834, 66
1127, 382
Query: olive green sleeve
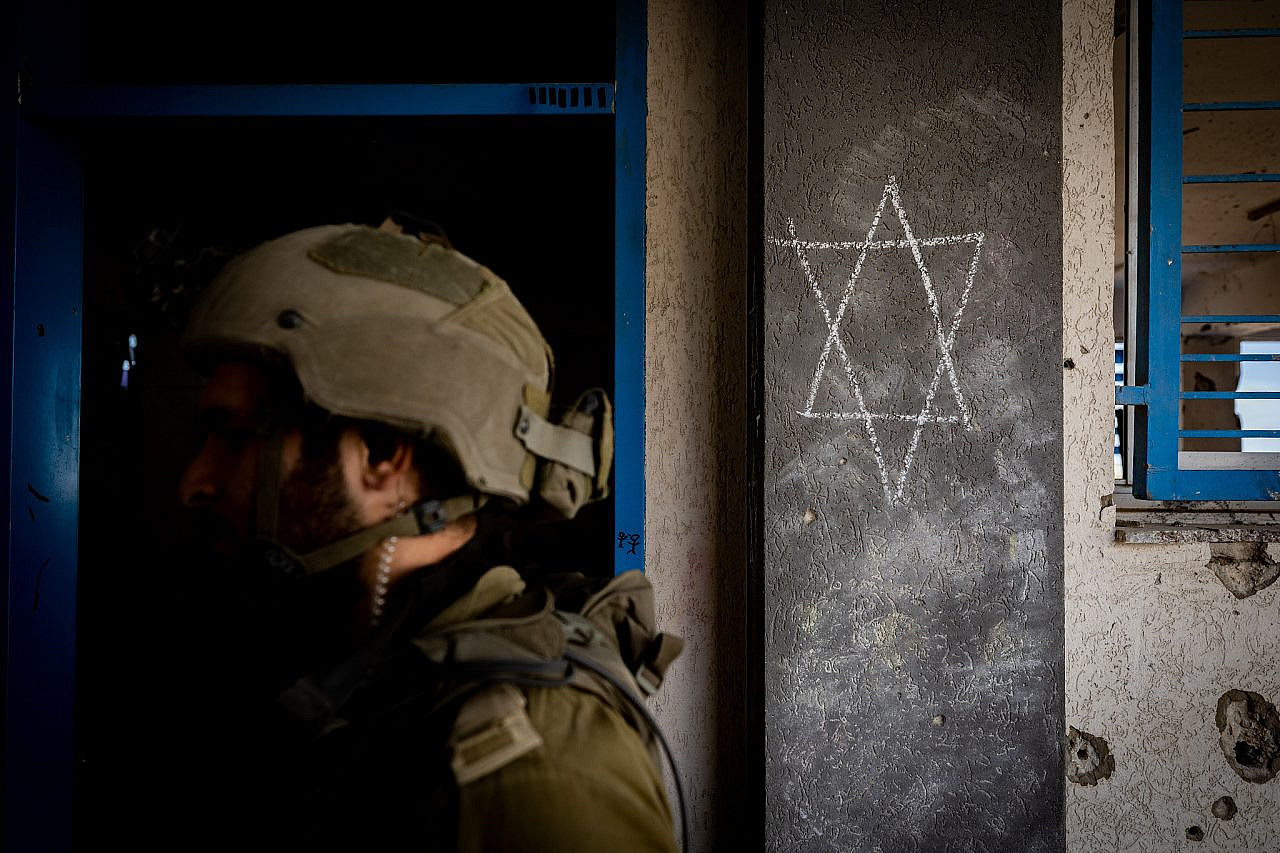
591, 786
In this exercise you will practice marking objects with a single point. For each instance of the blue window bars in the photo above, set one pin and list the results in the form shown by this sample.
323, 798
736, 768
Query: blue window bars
1154, 379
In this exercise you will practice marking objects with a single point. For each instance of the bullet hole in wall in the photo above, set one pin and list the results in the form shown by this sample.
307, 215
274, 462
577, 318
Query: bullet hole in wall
1195, 833
1224, 808
1249, 735
1243, 567
1069, 364
1089, 758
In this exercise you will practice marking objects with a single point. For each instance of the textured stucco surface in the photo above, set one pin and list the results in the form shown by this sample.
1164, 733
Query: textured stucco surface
1153, 637
913, 624
695, 384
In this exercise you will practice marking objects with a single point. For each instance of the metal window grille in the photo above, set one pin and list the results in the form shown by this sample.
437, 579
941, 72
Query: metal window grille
1155, 353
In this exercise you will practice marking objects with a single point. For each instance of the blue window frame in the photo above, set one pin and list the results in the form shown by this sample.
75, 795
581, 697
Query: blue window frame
44, 230
1118, 436
1154, 376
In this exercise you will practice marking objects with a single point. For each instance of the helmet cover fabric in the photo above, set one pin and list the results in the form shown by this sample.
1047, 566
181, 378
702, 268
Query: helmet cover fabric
385, 327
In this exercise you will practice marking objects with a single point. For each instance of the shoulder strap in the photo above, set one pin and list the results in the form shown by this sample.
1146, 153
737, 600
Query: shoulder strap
492, 730
609, 647
623, 613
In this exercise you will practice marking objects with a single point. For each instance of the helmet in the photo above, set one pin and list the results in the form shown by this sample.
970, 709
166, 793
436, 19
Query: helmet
388, 327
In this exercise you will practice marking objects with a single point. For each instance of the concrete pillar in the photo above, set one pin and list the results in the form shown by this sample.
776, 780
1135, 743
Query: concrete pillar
913, 450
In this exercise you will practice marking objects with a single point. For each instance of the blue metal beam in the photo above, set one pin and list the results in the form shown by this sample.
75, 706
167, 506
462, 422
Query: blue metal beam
1231, 395
1231, 34
44, 492
1131, 395
1156, 424
1229, 433
1245, 178
629, 284
1231, 318
1252, 356
408, 99
8, 244
1223, 485
1233, 247
1210, 106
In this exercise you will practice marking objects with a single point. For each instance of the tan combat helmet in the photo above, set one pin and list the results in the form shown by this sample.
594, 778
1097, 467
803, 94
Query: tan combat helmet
387, 327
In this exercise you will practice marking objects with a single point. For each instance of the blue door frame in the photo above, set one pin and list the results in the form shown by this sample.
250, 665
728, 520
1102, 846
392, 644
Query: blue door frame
44, 469
45, 225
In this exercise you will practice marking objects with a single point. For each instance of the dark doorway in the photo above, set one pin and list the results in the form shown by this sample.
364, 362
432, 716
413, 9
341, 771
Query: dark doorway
167, 202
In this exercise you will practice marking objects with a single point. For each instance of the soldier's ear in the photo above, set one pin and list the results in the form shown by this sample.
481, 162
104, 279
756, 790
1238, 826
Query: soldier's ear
393, 473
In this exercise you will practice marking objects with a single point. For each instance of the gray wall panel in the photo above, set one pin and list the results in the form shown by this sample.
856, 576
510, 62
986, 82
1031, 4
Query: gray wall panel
913, 491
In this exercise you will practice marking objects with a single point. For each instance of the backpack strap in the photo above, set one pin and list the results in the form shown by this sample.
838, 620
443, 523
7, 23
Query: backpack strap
608, 646
624, 614
574, 656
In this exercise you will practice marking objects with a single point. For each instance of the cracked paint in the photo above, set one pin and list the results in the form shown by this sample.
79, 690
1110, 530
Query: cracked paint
1249, 735
1244, 568
1089, 759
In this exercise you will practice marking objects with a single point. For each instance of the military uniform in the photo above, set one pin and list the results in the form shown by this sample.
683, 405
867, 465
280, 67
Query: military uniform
483, 713
394, 748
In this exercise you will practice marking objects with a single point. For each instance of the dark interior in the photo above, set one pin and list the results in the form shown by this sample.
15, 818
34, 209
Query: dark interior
167, 202
152, 42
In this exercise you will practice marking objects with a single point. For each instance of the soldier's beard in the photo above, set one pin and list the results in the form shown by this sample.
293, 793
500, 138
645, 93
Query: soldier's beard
315, 506
305, 619
276, 627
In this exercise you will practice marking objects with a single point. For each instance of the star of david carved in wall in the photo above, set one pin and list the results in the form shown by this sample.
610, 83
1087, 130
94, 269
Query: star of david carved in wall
944, 334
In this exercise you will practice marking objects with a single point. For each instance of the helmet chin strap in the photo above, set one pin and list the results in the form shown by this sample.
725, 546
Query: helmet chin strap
425, 517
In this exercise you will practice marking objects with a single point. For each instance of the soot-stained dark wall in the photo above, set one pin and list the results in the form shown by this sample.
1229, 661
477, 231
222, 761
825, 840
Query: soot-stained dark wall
913, 404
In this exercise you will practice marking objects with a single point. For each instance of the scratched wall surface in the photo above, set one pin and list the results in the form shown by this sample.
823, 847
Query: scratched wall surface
696, 395
1153, 637
913, 500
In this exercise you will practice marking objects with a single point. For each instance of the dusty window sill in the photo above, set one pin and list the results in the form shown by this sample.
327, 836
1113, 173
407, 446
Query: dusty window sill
1146, 533
1140, 522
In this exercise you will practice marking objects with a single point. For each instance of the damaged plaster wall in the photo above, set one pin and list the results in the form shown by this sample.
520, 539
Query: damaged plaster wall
1154, 638
695, 408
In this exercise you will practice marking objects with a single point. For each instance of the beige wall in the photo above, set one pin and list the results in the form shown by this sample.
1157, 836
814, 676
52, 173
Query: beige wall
695, 419
1153, 638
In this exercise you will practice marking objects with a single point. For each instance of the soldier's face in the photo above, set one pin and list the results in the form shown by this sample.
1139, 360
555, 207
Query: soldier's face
220, 483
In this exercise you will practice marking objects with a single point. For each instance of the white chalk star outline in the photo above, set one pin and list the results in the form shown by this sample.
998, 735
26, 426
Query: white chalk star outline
893, 492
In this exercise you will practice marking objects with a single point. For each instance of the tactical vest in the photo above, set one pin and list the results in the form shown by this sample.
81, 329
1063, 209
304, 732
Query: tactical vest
599, 640
483, 652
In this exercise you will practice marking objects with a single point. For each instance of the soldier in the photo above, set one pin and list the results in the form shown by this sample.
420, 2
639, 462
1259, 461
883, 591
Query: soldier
376, 405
